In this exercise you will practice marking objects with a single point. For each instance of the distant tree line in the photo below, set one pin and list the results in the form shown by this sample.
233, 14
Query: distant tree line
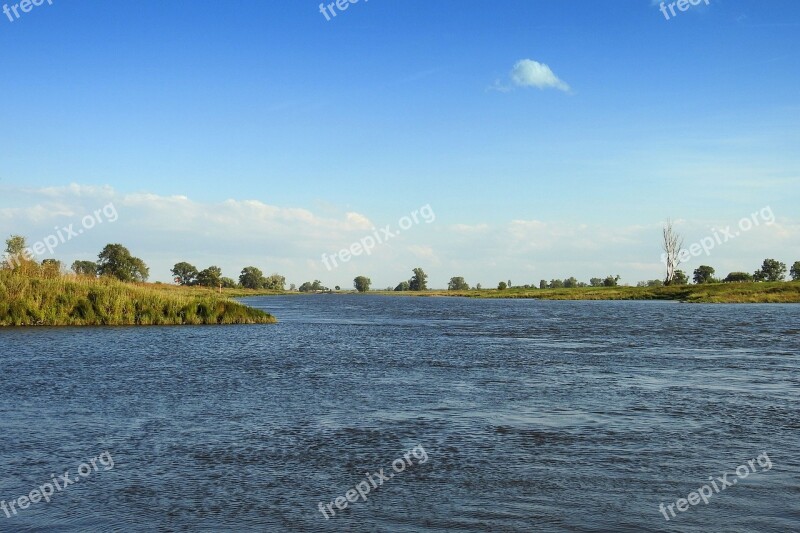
250, 278
116, 261
418, 282
771, 270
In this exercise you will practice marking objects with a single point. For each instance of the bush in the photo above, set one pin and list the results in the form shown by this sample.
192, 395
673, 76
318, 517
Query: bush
738, 277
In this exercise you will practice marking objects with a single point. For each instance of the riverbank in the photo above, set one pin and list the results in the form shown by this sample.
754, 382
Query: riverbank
71, 301
780, 292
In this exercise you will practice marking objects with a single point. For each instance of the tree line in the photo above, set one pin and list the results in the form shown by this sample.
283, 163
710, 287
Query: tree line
250, 278
116, 261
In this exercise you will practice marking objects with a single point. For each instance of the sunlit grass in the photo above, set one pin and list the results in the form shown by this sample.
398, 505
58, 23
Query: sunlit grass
75, 301
788, 292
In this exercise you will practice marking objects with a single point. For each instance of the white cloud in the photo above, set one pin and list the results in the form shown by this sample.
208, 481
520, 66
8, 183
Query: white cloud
530, 73
164, 230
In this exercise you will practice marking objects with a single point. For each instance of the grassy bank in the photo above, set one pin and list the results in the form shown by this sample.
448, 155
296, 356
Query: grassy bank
710, 293
69, 301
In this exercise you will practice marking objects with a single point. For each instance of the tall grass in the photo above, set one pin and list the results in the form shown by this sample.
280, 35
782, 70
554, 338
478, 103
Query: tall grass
27, 300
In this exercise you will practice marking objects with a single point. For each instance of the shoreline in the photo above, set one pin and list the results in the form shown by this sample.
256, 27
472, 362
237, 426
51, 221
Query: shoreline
739, 293
89, 302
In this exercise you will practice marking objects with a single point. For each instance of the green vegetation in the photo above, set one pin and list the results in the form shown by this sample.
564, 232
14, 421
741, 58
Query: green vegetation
117, 262
767, 292
317, 286
419, 282
33, 294
771, 270
457, 284
738, 277
704, 274
362, 283
795, 271
38, 300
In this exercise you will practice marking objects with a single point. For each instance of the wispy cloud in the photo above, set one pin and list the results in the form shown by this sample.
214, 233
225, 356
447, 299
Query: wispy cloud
234, 233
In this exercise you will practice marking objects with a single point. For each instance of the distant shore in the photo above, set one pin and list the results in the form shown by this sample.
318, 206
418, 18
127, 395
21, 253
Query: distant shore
780, 292
765, 292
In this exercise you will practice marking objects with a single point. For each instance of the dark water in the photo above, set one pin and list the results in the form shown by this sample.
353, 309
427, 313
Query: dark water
534, 416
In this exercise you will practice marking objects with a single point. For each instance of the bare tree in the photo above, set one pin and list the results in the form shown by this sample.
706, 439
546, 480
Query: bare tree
673, 243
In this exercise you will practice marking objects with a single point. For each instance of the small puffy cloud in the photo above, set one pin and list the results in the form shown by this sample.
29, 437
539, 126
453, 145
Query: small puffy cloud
530, 73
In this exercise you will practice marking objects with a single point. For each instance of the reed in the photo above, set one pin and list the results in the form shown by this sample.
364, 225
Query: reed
27, 300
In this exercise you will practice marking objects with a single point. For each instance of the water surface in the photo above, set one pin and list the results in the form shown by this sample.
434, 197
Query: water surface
535, 416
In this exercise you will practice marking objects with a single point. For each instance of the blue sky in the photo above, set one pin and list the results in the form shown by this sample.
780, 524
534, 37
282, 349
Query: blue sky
318, 130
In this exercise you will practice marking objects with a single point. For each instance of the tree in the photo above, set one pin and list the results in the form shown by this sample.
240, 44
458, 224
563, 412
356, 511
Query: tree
185, 274
478, 286
419, 282
85, 268
227, 283
362, 283
292, 287
209, 277
596, 282
672, 244
117, 262
570, 283
457, 284
251, 278
51, 268
275, 282
703, 274
543, 284
611, 281
556, 284
16, 248
679, 278
403, 286
15, 245
795, 271
771, 270
502, 286
338, 288
738, 277
311, 287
